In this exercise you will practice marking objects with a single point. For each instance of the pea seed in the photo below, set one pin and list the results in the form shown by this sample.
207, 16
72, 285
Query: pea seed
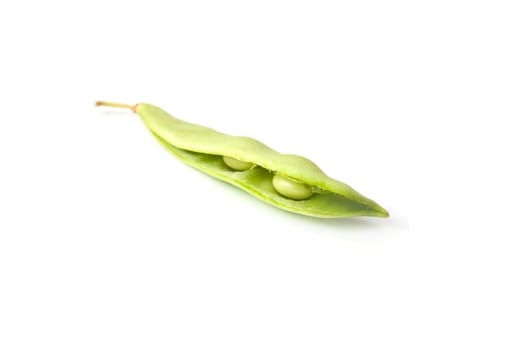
236, 164
290, 188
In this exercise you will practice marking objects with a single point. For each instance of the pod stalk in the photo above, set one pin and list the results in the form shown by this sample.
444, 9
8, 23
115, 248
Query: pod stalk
116, 105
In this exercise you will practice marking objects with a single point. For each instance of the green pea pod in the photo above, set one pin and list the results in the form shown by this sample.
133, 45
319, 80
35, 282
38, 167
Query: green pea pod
261, 171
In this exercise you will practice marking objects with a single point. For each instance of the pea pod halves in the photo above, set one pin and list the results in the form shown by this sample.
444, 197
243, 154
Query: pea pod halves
204, 148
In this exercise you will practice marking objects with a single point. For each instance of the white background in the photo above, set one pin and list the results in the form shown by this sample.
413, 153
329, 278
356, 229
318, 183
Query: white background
108, 242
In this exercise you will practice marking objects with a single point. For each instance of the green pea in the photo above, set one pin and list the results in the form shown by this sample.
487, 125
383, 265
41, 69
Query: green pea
237, 164
291, 188
224, 157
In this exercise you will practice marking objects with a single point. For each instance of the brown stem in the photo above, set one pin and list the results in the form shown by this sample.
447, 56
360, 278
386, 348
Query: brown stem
116, 105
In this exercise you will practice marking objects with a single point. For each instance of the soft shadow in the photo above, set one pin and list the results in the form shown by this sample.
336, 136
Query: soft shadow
112, 112
362, 224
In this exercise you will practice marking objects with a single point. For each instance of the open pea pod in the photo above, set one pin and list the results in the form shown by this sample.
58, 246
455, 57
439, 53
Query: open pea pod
287, 181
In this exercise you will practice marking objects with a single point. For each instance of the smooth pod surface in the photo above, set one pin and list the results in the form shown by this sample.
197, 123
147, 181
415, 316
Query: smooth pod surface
204, 148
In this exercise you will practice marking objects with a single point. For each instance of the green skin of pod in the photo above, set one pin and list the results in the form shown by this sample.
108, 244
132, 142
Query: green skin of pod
204, 148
